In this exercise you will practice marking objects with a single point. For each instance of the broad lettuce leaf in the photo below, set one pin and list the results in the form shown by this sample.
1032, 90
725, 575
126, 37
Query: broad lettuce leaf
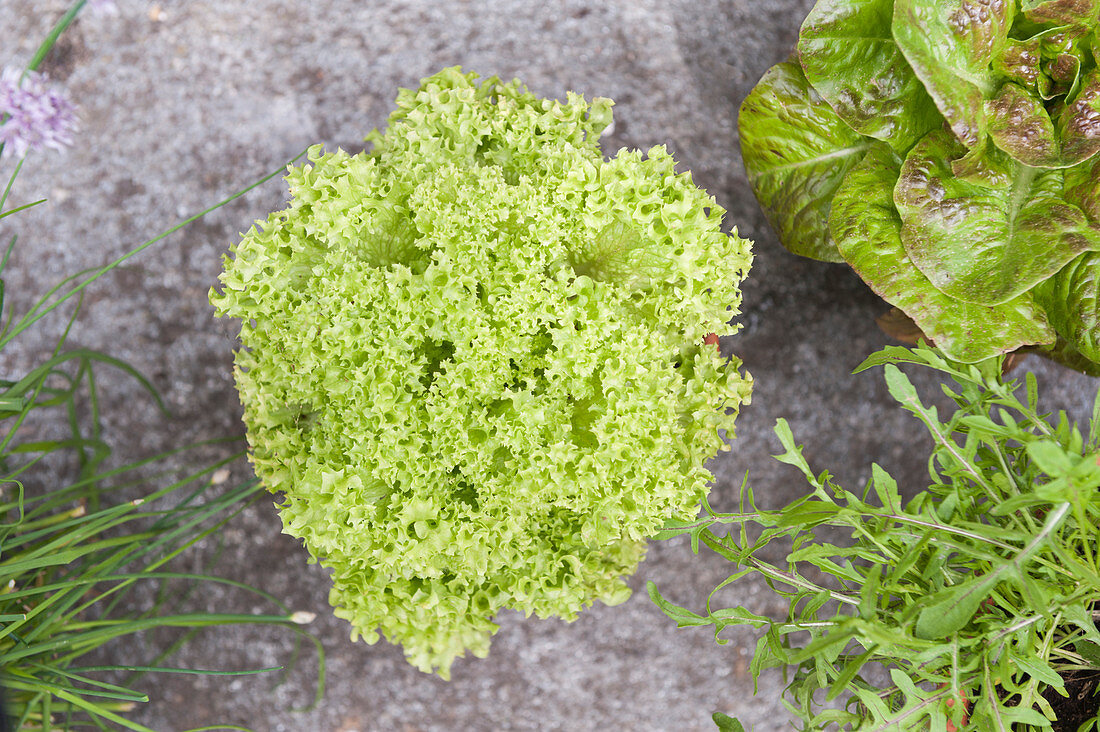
796, 150
1062, 12
1060, 50
1034, 96
867, 228
991, 109
849, 55
951, 45
986, 241
1019, 123
1072, 301
1020, 62
1082, 186
1079, 122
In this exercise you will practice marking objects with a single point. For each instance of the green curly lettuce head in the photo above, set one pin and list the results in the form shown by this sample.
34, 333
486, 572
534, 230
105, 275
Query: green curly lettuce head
473, 361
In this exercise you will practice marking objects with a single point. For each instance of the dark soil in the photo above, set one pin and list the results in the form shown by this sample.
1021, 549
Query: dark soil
1081, 705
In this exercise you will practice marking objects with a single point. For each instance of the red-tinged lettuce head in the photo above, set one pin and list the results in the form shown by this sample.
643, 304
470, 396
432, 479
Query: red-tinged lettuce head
949, 151
473, 361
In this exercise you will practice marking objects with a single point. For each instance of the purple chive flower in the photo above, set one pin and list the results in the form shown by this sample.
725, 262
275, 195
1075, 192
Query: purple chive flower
33, 114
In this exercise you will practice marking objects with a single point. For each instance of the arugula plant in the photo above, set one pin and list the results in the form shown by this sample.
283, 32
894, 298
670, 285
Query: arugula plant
474, 365
979, 597
947, 151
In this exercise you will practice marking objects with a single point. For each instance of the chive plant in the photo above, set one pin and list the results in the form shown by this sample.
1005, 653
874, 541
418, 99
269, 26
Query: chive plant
77, 556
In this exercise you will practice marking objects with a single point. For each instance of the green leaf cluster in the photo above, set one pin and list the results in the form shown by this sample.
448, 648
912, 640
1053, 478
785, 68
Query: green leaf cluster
984, 589
73, 553
473, 360
947, 151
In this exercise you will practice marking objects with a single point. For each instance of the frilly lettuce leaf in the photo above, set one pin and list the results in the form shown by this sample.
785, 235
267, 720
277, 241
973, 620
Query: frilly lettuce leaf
796, 150
867, 228
851, 60
988, 238
472, 361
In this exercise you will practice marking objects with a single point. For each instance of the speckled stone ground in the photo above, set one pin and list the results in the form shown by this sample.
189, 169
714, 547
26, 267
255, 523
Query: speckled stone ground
184, 102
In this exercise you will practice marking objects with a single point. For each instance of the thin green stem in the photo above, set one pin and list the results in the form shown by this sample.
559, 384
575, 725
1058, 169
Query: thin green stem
29, 320
51, 38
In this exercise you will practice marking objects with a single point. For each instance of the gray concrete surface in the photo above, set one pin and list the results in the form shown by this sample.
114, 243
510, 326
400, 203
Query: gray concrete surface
184, 102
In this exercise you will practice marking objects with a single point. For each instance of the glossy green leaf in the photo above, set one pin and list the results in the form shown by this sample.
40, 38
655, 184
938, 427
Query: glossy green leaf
1062, 49
850, 58
1011, 88
1017, 228
1062, 71
1078, 124
1062, 12
978, 166
951, 45
796, 150
867, 229
1020, 125
1072, 302
1019, 61
1082, 188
